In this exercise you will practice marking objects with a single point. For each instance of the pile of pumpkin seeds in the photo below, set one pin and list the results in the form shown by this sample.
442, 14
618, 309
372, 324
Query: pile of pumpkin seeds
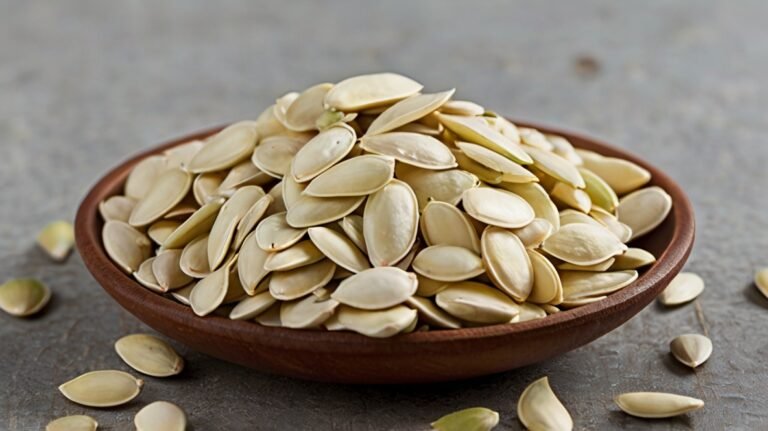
375, 207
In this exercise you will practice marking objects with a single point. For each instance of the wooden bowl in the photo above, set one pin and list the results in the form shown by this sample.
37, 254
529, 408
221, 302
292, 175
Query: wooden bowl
417, 357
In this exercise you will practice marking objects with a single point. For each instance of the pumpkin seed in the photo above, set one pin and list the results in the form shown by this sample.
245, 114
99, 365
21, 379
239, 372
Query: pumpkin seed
370, 91
583, 244
472, 419
633, 258
309, 312
291, 191
534, 138
538, 199
428, 287
205, 187
322, 152
376, 288
194, 258
600, 193
547, 286
252, 306
539, 408
160, 416
146, 277
57, 239
477, 131
244, 173
448, 263
271, 317
598, 267
298, 255
509, 170
549, 308
311, 211
476, 302
339, 249
390, 223
572, 197
227, 220
378, 323
306, 108
570, 216
462, 107
530, 311
251, 218
583, 284
622, 175
643, 210
563, 148
443, 223
407, 110
557, 167
685, 287
293, 284
160, 231
184, 209
431, 314
414, 149
655, 405
166, 267
761, 281
23, 297
482, 172
250, 264
104, 388
352, 225
507, 262
444, 186
73, 423
149, 355
622, 231
144, 176
210, 292
267, 123
116, 208
534, 233
278, 203
282, 104
182, 295
274, 154
691, 349
226, 148
167, 192
358, 176
125, 245
180, 155
497, 207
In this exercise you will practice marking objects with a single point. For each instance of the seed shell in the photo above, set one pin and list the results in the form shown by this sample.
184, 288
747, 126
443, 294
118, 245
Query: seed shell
509, 170
274, 154
169, 189
226, 148
308, 106
322, 152
497, 207
125, 245
295, 256
691, 349
448, 263
390, 223
104, 388
166, 267
293, 284
407, 111
376, 288
507, 262
476, 302
539, 408
357, 176
584, 284
116, 208
250, 264
477, 131
622, 175
431, 314
378, 323
443, 223
444, 186
311, 211
583, 244
633, 258
644, 209
160, 416
23, 297
252, 306
414, 149
275, 234
210, 292
149, 355
339, 249
685, 287
471, 419
547, 287
309, 312
556, 167
73, 423
656, 405
761, 281
370, 91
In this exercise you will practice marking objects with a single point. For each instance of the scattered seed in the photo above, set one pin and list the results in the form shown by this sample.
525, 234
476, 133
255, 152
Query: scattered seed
160, 416
23, 297
655, 405
539, 408
691, 349
685, 287
104, 388
471, 419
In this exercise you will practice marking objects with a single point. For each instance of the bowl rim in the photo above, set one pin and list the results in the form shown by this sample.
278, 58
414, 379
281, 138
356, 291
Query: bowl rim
89, 244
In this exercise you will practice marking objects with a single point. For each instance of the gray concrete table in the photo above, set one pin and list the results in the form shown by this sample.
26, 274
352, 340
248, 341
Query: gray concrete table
84, 84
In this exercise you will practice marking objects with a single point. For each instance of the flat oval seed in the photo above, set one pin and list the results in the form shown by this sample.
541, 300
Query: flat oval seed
274, 154
311, 211
530, 311
476, 302
182, 295
599, 191
104, 388
644, 209
169, 189
390, 223
210, 292
180, 155
267, 123
691, 349
444, 186
534, 138
23, 297
250, 220
146, 277
572, 197
250, 264
321, 152
357, 176
431, 314
241, 174
584, 284
448, 263
656, 404
194, 258
407, 111
414, 149
226, 148
534, 233
144, 175
205, 187
761, 281
477, 131
339, 249
507, 262
538, 408
116, 208
472, 419
510, 171
223, 230
160, 416
377, 324
125, 245
275, 234
307, 108
352, 225
309, 312
293, 284
633, 258
497, 207
443, 223
428, 287
546, 281
252, 306
622, 175
73, 423
376, 288
482, 172
370, 91
685, 287
583, 244
538, 198
149, 355
462, 107
622, 231
282, 105
184, 209
159, 231
295, 256
166, 268
556, 167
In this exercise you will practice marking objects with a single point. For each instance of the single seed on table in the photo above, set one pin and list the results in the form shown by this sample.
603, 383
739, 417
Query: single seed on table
298, 255
160, 416
585, 284
73, 423
103, 388
477, 131
116, 208
407, 111
685, 287
546, 281
414, 149
476, 302
444, 224
654, 405
622, 175
167, 192
761, 281
539, 408
23, 297
370, 91
358, 176
390, 223
149, 355
275, 234
376, 288
125, 245
322, 152
226, 148
583, 244
379, 323
293, 284
57, 239
691, 349
448, 263
645, 209
310, 211
471, 419
338, 248
307, 312
252, 306
507, 263
497, 207
223, 229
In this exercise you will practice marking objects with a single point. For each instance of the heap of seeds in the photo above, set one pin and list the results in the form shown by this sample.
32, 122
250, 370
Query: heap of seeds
371, 206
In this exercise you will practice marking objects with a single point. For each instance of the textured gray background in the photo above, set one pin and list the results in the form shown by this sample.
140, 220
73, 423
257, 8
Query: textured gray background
84, 84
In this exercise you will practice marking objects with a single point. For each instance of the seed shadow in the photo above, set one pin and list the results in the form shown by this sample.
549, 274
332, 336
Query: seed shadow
754, 296
683, 421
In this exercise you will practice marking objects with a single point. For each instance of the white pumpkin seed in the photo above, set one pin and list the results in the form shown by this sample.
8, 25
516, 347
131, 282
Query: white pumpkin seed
169, 190
448, 263
252, 306
443, 223
149, 355
358, 176
205, 187
497, 207
23, 297
180, 155
352, 225
339, 249
582, 284
633, 258
534, 138
622, 231
146, 276
538, 198
534, 233
414, 149
282, 104
322, 152
530, 311
307, 108
547, 287
685, 287
549, 308
293, 284
600, 193
144, 176
563, 148
125, 245
166, 268
210, 292
184, 209
476, 302
428, 287
376, 288
556, 167
57, 239
227, 220
267, 123
644, 209
182, 295
482, 172
274, 154
73, 423
656, 405
507, 262
160, 416
539, 408
275, 234
510, 171
295, 256
226, 149
271, 317
407, 110
309, 312
471, 419
104, 388
572, 197
379, 323
583, 244
251, 218
477, 131
431, 314
390, 223
444, 186
691, 349
159, 231
622, 175
370, 91
761, 281
250, 264
462, 107
291, 191
311, 211
116, 208
194, 258
244, 173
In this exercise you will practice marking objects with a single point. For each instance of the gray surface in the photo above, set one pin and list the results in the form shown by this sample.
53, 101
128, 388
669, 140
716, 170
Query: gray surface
85, 84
